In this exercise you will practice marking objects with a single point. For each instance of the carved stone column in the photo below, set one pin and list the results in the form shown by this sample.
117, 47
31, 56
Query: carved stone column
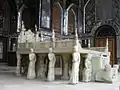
19, 18
65, 67
18, 64
66, 22
40, 67
19, 21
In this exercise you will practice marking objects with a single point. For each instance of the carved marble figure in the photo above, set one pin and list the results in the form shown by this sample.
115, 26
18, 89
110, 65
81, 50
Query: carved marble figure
74, 77
88, 69
31, 69
37, 37
30, 37
107, 74
52, 60
22, 37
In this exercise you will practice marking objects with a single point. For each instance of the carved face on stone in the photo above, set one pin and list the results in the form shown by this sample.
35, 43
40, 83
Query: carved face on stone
29, 30
50, 50
75, 48
31, 50
107, 67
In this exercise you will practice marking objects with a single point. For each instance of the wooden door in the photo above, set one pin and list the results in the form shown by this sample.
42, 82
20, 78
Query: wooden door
101, 42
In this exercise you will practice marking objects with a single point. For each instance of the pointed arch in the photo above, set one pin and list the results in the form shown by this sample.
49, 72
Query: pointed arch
71, 19
70, 6
56, 17
103, 32
58, 3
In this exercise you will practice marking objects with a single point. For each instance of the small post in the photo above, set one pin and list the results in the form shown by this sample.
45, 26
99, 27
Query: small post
88, 43
53, 38
76, 43
106, 47
41, 38
35, 28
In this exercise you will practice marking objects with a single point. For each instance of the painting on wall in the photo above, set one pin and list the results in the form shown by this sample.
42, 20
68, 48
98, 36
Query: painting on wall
45, 14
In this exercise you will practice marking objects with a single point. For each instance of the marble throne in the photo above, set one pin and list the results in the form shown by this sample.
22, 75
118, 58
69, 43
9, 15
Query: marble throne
96, 62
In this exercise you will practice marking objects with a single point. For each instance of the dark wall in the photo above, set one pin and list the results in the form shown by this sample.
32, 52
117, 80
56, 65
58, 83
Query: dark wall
29, 18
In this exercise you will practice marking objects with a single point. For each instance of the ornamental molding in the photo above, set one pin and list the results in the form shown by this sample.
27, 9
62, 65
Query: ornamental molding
109, 23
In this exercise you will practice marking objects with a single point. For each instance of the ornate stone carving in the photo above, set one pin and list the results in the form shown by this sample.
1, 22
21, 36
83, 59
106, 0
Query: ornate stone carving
116, 12
87, 72
52, 60
31, 69
107, 74
100, 23
22, 37
30, 36
74, 77
90, 16
40, 66
37, 36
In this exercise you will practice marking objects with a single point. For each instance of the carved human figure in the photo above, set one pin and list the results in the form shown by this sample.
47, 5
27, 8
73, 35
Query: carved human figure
31, 69
37, 36
74, 77
19, 21
21, 37
87, 72
23, 26
115, 74
52, 60
14, 47
30, 37
105, 75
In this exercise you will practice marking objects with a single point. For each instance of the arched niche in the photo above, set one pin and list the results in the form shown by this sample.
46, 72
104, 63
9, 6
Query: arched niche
105, 30
29, 18
102, 33
56, 17
71, 21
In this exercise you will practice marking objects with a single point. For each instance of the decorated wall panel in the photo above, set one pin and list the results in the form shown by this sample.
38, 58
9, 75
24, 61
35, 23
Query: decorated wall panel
90, 15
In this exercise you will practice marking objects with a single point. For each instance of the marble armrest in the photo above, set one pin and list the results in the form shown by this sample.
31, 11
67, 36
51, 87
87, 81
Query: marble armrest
107, 76
115, 73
